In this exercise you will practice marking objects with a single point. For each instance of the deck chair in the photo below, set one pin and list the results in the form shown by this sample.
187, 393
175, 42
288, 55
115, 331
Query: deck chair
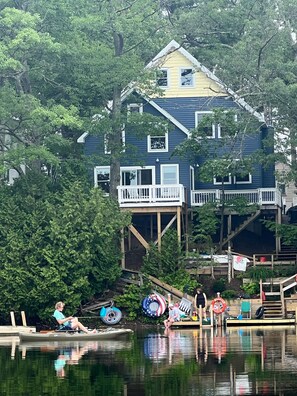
246, 309
186, 306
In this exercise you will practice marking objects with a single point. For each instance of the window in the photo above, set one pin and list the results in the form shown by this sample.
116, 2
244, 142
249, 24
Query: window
222, 131
243, 178
137, 176
186, 77
135, 108
220, 179
102, 178
208, 129
162, 78
169, 174
157, 143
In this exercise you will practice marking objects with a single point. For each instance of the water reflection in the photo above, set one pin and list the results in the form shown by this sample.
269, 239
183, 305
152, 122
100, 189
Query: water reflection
233, 361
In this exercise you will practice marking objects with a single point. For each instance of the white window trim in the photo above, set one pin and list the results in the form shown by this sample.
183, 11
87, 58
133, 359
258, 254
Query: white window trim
219, 126
243, 182
96, 173
192, 178
135, 105
216, 183
193, 77
168, 79
197, 113
167, 165
150, 150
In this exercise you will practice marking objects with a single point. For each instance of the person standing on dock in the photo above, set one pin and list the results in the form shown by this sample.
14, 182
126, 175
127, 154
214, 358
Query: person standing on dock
200, 301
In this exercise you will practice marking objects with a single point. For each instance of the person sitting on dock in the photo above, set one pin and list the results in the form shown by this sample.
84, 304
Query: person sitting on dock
70, 322
174, 315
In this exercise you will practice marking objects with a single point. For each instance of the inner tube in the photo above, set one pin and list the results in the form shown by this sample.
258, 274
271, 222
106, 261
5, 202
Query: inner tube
154, 305
259, 313
218, 305
112, 316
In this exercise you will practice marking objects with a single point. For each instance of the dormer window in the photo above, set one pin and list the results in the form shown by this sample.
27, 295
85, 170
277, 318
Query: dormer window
157, 143
162, 78
186, 77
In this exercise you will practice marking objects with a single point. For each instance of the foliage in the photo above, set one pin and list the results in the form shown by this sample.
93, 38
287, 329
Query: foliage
229, 294
67, 249
168, 264
219, 285
258, 273
131, 300
251, 288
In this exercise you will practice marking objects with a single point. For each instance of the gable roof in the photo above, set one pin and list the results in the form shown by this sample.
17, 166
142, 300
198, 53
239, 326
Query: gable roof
174, 46
157, 62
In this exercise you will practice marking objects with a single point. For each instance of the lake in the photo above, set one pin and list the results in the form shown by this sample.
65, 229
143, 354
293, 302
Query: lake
233, 361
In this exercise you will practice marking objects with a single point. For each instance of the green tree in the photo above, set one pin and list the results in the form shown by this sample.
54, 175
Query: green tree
56, 246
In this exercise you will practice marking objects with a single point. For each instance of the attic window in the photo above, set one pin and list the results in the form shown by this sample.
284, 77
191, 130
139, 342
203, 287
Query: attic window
135, 108
162, 78
186, 77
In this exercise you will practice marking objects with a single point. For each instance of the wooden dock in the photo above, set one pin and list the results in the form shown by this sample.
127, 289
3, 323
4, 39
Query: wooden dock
237, 322
15, 330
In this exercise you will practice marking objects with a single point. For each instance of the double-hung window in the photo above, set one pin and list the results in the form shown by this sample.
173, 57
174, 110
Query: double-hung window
186, 77
209, 128
102, 177
163, 78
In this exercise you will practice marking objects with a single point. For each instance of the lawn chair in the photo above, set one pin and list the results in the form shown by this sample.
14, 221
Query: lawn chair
186, 306
246, 310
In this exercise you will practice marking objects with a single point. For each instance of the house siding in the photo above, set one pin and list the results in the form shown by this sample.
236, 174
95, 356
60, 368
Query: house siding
203, 85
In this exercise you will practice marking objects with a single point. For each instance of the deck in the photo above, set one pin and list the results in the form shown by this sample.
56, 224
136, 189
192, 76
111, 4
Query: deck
239, 323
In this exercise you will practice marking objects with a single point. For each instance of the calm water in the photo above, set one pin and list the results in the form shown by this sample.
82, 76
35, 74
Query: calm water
247, 361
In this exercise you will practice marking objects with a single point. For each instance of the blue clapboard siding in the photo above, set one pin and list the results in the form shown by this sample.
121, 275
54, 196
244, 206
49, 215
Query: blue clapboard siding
183, 109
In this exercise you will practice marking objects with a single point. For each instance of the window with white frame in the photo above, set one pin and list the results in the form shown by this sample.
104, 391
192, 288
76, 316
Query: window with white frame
157, 143
242, 178
208, 129
219, 179
186, 77
169, 174
102, 178
163, 78
135, 108
222, 130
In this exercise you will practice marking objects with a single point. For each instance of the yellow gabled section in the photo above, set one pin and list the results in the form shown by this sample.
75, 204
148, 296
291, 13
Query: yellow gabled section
203, 85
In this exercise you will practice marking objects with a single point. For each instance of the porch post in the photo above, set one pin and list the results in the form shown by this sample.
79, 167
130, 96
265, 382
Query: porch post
159, 230
178, 224
123, 263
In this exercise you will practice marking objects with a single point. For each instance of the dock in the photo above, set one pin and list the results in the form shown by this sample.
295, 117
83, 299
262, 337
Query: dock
14, 329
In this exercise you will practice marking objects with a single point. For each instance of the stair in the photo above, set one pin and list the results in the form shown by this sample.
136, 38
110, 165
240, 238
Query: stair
272, 309
241, 227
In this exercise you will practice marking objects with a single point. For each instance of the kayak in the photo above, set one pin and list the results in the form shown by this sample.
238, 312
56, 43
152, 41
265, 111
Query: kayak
107, 334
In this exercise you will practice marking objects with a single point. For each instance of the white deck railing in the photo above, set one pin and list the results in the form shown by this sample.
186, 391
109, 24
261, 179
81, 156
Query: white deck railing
260, 196
151, 195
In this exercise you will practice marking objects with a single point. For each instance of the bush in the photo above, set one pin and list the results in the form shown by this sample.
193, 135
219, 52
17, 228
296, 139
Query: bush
219, 285
229, 294
251, 288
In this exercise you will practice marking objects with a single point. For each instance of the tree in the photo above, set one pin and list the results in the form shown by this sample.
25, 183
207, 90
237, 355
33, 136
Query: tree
66, 249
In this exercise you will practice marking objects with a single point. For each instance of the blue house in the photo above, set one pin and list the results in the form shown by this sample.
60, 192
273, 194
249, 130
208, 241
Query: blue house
161, 189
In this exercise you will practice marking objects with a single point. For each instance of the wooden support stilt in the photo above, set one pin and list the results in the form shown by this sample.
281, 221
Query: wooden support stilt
12, 318
24, 321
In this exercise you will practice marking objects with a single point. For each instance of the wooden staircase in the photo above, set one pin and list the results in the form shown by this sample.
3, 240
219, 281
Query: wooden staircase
274, 304
242, 226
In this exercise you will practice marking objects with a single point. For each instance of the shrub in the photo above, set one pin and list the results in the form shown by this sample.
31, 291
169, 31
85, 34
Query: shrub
229, 294
219, 286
